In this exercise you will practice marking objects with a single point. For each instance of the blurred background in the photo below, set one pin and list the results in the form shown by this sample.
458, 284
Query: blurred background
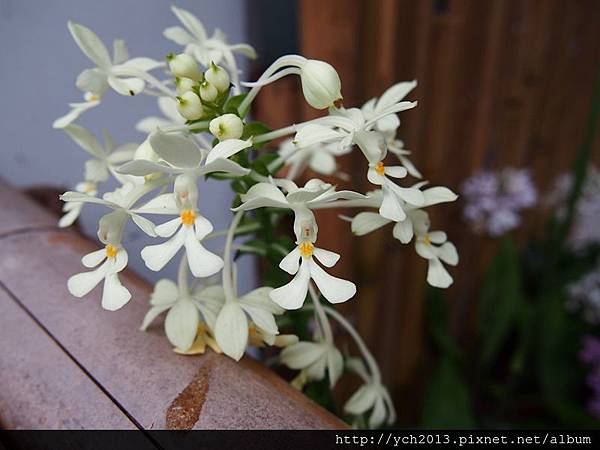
508, 105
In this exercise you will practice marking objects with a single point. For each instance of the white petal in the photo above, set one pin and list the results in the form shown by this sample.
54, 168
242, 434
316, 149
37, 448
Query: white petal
203, 227
120, 53
143, 167
403, 231
448, 253
395, 94
409, 195
303, 354
374, 177
152, 314
262, 319
312, 134
142, 64
82, 283
77, 109
202, 262
92, 80
366, 222
323, 162
291, 262
327, 258
231, 330
438, 194
424, 250
396, 171
178, 35
293, 294
165, 293
388, 123
335, 290
437, 237
157, 256
85, 140
90, 44
94, 258
390, 206
227, 148
437, 275
114, 294
224, 165
362, 400
190, 22
169, 228
96, 171
126, 86
378, 415
176, 150
335, 365
144, 224
259, 298
163, 204
263, 195
181, 324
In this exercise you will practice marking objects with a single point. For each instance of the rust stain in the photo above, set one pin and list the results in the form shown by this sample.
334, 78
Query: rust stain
185, 410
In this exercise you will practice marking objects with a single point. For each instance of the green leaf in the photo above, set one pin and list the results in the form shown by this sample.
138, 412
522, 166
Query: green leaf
438, 322
446, 403
233, 103
253, 129
501, 299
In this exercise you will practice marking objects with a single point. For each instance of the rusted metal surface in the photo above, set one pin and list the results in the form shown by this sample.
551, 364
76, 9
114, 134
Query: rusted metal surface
139, 371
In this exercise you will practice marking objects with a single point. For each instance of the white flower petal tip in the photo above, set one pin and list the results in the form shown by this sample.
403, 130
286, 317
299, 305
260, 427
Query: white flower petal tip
231, 330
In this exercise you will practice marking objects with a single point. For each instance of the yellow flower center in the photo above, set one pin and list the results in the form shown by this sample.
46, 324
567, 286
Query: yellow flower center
89, 187
426, 240
380, 169
188, 217
93, 98
111, 251
306, 249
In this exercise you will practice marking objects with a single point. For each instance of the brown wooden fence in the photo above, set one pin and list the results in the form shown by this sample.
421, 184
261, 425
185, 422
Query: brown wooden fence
501, 82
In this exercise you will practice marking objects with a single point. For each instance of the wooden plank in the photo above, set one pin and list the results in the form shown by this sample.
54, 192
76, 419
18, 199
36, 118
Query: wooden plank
157, 387
40, 386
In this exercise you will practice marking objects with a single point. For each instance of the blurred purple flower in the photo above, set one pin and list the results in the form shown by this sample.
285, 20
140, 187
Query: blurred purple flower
590, 354
585, 229
584, 294
494, 200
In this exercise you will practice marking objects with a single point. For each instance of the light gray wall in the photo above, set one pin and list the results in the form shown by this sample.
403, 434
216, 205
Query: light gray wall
38, 65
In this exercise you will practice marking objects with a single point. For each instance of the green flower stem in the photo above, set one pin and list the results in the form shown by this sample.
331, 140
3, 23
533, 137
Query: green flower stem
323, 320
227, 279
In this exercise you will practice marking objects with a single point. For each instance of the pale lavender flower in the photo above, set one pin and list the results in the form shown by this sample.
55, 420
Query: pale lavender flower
584, 295
494, 200
585, 230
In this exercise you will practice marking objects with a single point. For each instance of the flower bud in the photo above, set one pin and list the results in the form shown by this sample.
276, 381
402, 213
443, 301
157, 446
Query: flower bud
227, 126
208, 92
320, 84
218, 77
184, 85
184, 66
146, 152
190, 106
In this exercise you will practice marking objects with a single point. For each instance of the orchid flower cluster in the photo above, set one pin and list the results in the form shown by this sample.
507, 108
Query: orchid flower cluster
205, 132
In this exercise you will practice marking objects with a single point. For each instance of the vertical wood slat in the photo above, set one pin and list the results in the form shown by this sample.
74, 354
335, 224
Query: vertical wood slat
501, 83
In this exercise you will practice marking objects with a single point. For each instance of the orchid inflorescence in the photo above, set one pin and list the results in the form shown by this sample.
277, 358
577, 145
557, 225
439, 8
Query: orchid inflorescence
205, 132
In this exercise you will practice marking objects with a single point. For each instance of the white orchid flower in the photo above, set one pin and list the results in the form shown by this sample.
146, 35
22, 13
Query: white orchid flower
183, 326
394, 196
77, 109
315, 193
396, 147
313, 359
186, 230
121, 199
300, 263
106, 157
372, 395
168, 108
320, 158
232, 329
197, 42
179, 155
122, 74
72, 210
113, 258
